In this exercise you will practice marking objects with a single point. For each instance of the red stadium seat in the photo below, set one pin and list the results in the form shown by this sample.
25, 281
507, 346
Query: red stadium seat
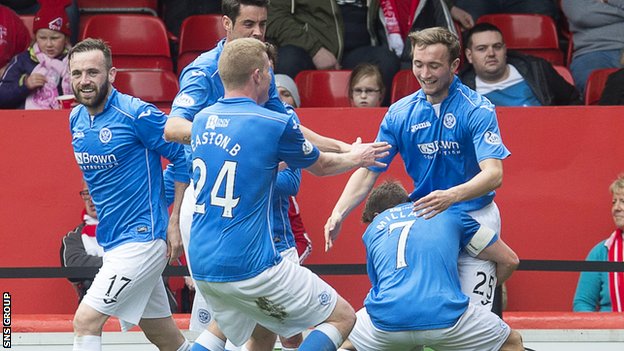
324, 88
198, 33
156, 86
531, 34
28, 22
565, 73
136, 41
118, 6
403, 84
595, 85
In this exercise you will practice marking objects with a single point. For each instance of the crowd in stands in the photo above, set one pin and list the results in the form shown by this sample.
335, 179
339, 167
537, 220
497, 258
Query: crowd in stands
340, 35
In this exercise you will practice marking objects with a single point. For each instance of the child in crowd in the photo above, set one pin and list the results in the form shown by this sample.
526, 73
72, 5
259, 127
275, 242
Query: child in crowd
366, 87
287, 90
36, 77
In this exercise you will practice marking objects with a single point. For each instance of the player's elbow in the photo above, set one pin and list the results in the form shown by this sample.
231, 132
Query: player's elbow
511, 261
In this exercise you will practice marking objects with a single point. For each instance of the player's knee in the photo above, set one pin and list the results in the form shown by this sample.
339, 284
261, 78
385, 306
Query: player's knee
513, 342
344, 317
88, 321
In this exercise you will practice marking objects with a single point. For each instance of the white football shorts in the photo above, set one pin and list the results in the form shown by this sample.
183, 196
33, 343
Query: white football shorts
476, 330
129, 285
286, 299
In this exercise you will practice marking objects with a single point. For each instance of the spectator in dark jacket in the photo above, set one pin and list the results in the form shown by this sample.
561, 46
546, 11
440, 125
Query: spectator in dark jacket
511, 78
34, 78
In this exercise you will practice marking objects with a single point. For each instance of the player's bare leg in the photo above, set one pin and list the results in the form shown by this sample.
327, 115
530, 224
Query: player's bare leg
513, 342
164, 333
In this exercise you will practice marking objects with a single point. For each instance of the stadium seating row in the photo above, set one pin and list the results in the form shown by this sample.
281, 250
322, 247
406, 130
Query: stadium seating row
140, 45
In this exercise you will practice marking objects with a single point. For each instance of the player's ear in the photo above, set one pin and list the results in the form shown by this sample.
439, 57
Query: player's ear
112, 73
227, 23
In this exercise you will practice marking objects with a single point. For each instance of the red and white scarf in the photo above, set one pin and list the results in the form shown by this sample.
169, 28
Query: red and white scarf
615, 247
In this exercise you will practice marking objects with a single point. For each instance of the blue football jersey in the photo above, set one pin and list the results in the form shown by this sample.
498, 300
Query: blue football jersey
445, 151
236, 148
412, 266
119, 152
201, 86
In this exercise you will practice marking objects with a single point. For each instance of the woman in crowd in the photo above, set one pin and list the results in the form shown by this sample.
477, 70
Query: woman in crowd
604, 291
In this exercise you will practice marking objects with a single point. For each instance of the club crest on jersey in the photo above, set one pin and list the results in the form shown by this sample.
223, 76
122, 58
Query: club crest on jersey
204, 316
492, 138
307, 147
214, 121
105, 135
449, 120
184, 100
324, 298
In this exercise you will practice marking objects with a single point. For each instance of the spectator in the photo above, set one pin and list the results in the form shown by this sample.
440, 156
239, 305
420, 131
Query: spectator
14, 36
79, 247
287, 90
597, 27
613, 93
511, 78
30, 7
35, 78
604, 291
320, 35
366, 87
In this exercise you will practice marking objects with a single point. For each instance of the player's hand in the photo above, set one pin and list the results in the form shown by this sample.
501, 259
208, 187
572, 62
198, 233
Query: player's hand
434, 203
190, 284
367, 154
174, 241
464, 18
332, 229
35, 81
282, 166
324, 59
396, 44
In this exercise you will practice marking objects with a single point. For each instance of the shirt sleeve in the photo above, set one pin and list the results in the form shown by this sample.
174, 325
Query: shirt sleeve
196, 92
294, 149
587, 295
149, 126
387, 133
486, 135
476, 237
288, 181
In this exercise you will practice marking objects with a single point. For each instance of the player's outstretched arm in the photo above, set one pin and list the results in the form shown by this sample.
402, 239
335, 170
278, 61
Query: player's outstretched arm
506, 259
358, 186
178, 129
490, 178
174, 237
324, 143
360, 155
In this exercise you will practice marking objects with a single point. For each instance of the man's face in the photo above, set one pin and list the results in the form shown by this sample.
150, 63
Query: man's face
617, 209
90, 79
250, 23
286, 96
488, 55
433, 70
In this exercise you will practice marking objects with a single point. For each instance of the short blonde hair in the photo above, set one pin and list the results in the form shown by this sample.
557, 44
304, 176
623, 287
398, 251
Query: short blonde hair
239, 59
436, 35
618, 185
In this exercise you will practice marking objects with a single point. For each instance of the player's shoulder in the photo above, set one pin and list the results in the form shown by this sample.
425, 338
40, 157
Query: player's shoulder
406, 104
205, 65
466, 98
131, 106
